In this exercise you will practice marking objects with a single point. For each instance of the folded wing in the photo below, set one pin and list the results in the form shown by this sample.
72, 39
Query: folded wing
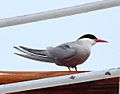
62, 52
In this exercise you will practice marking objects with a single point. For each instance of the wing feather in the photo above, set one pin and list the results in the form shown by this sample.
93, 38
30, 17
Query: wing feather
62, 52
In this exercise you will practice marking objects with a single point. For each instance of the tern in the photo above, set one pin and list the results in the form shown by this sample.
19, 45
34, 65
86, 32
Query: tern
69, 54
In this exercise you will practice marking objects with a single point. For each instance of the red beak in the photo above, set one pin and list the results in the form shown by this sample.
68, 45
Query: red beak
100, 40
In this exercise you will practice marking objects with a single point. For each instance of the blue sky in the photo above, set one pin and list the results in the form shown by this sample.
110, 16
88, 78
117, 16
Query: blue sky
104, 24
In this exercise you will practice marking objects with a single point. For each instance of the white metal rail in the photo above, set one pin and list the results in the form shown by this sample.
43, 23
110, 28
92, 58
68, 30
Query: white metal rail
59, 81
59, 12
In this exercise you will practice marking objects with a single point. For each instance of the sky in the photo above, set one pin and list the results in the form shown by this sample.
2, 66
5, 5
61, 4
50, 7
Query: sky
104, 24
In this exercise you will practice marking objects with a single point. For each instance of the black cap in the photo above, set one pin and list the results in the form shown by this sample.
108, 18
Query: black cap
90, 36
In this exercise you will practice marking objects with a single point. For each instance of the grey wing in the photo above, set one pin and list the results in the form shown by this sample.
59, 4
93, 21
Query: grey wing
62, 52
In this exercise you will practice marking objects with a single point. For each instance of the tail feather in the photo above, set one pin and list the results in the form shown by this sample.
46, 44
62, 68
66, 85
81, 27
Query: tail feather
34, 51
20, 50
37, 58
23, 51
33, 56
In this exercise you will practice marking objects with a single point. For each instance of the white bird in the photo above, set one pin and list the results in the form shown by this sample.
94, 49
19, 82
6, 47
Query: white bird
69, 54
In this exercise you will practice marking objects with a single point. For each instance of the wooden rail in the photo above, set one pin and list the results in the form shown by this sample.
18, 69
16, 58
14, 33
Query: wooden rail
10, 77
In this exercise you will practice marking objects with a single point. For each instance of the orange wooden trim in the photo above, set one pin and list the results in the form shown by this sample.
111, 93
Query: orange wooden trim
10, 77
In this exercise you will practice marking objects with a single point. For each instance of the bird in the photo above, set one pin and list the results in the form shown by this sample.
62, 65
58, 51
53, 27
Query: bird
69, 54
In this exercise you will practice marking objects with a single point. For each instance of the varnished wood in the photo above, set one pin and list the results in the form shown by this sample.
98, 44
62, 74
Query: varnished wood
10, 77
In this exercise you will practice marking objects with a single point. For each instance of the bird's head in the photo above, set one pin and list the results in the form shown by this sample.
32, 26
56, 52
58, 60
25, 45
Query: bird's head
91, 39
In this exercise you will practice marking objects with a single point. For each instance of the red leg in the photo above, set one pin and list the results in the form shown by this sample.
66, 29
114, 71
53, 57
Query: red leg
75, 68
69, 68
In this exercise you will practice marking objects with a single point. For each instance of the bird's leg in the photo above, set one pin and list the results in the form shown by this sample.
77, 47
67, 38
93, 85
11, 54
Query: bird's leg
75, 68
69, 68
